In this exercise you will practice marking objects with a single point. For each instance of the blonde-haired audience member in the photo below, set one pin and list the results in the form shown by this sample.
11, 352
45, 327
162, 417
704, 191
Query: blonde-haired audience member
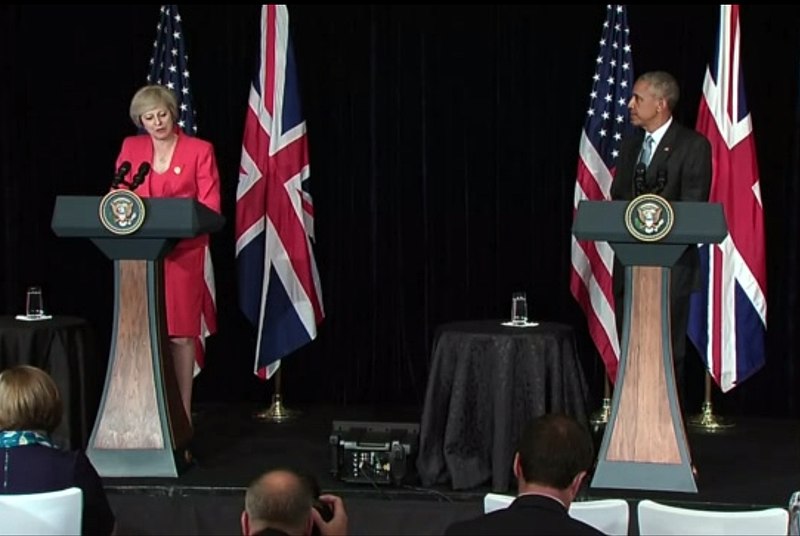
30, 409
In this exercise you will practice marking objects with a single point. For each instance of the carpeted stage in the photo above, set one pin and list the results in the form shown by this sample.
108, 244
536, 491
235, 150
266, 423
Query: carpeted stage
756, 463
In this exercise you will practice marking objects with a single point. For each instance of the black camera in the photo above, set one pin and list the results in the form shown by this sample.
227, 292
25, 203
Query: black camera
325, 511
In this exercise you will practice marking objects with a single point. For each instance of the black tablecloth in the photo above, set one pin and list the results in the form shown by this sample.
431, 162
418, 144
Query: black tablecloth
64, 347
486, 382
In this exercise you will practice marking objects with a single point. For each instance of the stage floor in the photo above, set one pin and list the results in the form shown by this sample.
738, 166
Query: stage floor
755, 463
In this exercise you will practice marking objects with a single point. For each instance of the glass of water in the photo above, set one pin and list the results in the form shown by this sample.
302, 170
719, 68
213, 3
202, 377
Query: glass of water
519, 308
34, 304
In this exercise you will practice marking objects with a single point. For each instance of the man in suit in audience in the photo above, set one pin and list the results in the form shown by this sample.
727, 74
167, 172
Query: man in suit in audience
554, 455
281, 502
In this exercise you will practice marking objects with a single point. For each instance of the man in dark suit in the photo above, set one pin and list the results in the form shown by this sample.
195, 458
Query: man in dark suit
674, 162
554, 454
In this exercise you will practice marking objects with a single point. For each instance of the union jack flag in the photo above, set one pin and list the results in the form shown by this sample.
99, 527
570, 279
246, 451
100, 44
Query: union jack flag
728, 318
279, 288
606, 124
169, 67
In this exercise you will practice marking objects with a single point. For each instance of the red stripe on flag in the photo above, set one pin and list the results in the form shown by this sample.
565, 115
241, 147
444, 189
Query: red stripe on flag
268, 82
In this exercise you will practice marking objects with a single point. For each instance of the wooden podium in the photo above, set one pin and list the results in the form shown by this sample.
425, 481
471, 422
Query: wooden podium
644, 445
141, 425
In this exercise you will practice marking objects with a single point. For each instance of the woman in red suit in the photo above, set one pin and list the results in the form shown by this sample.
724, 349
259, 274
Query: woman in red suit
180, 166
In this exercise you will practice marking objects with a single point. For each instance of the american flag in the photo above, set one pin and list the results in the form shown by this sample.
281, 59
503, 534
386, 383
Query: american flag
169, 67
606, 123
169, 64
279, 288
728, 319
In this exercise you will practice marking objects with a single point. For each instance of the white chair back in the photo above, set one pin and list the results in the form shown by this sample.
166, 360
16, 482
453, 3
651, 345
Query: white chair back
609, 516
48, 513
657, 518
496, 501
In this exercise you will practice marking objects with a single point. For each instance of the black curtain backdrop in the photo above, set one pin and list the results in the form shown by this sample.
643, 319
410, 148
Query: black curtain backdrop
443, 147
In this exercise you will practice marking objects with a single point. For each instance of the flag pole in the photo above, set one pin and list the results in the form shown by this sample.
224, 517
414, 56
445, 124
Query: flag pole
276, 412
601, 416
706, 420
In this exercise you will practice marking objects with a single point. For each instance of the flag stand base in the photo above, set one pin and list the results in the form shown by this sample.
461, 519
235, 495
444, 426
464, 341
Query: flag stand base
276, 412
709, 422
706, 421
601, 416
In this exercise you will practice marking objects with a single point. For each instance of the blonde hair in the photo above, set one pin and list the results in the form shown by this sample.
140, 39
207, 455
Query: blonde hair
29, 400
149, 97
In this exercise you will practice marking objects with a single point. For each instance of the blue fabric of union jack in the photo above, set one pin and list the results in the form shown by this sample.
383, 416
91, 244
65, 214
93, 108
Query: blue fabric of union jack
279, 287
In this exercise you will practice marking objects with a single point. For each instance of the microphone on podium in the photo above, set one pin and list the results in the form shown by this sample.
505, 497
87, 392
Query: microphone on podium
661, 179
638, 179
138, 179
119, 176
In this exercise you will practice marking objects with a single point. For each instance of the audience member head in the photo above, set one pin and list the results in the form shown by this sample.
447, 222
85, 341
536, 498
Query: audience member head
555, 452
29, 400
279, 499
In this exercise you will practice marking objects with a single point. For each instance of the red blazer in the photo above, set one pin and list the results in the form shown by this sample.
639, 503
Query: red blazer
192, 173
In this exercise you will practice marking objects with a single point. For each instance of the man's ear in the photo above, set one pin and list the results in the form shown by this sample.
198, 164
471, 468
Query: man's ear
245, 521
575, 485
310, 525
517, 467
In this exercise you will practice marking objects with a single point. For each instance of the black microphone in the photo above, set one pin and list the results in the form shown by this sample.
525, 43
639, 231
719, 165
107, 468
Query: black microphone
638, 179
119, 176
138, 179
661, 179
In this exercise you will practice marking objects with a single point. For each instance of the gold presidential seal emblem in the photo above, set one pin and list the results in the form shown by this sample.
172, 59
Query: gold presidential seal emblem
649, 217
122, 212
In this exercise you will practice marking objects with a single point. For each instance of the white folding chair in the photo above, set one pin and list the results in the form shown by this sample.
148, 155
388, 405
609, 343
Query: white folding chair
656, 518
609, 516
496, 501
47, 513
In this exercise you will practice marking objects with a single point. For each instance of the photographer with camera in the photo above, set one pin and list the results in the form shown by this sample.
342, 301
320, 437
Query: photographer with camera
284, 502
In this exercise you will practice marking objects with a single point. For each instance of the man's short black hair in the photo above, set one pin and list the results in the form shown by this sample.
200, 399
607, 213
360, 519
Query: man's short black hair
553, 449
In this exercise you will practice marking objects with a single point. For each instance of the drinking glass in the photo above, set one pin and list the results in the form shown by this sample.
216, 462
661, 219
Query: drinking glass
519, 308
34, 305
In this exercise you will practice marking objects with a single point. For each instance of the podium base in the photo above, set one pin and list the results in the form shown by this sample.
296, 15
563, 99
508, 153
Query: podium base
115, 463
646, 476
